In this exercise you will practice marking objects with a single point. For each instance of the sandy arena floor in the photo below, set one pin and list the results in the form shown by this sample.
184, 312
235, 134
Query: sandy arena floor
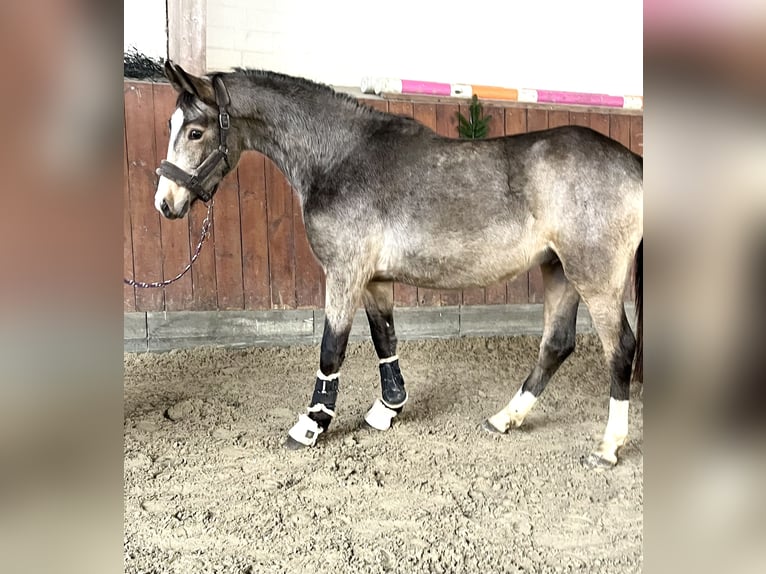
208, 487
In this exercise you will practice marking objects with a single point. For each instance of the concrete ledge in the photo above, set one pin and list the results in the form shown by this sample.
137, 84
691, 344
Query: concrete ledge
227, 328
134, 332
428, 322
410, 323
483, 320
160, 331
489, 320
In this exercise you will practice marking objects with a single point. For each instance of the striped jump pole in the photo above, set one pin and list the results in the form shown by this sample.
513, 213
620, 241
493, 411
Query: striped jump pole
526, 95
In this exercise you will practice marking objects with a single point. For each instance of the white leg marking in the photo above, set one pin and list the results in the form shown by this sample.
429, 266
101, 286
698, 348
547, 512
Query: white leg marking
323, 377
320, 408
513, 415
616, 431
380, 416
390, 359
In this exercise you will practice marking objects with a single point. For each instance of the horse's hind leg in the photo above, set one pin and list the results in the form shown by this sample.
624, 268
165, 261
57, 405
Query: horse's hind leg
611, 324
560, 315
379, 305
344, 291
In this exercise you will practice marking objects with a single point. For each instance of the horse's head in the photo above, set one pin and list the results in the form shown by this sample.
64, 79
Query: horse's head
201, 150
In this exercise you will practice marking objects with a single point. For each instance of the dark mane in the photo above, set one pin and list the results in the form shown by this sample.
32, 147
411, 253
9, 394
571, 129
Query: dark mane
277, 79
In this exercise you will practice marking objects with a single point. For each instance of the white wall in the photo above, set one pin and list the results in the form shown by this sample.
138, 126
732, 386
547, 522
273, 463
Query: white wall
582, 45
145, 27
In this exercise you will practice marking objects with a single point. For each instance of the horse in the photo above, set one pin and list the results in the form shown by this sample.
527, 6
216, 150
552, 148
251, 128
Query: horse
386, 199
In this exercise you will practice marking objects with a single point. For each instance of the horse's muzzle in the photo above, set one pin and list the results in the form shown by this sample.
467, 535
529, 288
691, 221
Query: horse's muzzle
165, 209
167, 212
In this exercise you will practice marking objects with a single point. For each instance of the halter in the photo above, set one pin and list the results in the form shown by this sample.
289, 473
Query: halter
193, 181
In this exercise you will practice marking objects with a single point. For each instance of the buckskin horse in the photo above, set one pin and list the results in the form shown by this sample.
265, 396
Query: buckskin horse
386, 199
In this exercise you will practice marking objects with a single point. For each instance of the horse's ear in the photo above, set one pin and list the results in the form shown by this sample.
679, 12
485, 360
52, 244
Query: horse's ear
182, 81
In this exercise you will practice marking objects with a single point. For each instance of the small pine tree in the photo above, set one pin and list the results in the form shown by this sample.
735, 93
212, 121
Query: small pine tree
478, 126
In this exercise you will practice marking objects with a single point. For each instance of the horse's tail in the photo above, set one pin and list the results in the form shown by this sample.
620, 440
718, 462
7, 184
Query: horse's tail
638, 291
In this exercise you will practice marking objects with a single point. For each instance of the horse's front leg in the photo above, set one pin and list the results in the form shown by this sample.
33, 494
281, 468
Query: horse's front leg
341, 302
379, 305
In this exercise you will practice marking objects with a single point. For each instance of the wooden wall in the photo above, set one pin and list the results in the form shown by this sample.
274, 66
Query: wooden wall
258, 256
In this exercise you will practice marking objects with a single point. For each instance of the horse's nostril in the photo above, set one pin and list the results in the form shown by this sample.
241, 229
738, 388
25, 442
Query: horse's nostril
164, 208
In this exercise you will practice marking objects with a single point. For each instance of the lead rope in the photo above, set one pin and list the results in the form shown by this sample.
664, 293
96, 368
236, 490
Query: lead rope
206, 223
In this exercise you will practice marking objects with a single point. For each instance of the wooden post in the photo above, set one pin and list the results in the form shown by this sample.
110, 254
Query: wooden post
187, 38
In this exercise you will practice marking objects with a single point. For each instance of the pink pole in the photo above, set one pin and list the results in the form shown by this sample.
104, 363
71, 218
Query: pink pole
583, 99
431, 88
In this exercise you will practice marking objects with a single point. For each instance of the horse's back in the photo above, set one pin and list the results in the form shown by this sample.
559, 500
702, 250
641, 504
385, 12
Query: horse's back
415, 173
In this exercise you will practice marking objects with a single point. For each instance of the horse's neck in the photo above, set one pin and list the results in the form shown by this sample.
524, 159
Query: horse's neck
309, 135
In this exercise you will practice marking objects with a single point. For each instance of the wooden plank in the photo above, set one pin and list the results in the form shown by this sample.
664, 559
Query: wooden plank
404, 295
309, 287
281, 240
515, 121
187, 34
255, 235
537, 119
426, 115
446, 125
637, 134
495, 294
147, 244
600, 123
619, 129
446, 120
228, 244
128, 292
417, 98
558, 118
175, 233
496, 127
473, 296
380, 105
580, 119
204, 296
517, 290
536, 292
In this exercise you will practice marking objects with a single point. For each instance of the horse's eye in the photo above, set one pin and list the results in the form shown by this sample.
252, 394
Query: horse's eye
195, 134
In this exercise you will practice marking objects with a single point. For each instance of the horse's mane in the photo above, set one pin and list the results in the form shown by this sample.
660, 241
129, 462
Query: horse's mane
279, 80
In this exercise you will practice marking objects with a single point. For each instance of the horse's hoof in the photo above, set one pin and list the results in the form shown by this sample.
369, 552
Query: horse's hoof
292, 444
489, 427
380, 417
595, 461
368, 426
